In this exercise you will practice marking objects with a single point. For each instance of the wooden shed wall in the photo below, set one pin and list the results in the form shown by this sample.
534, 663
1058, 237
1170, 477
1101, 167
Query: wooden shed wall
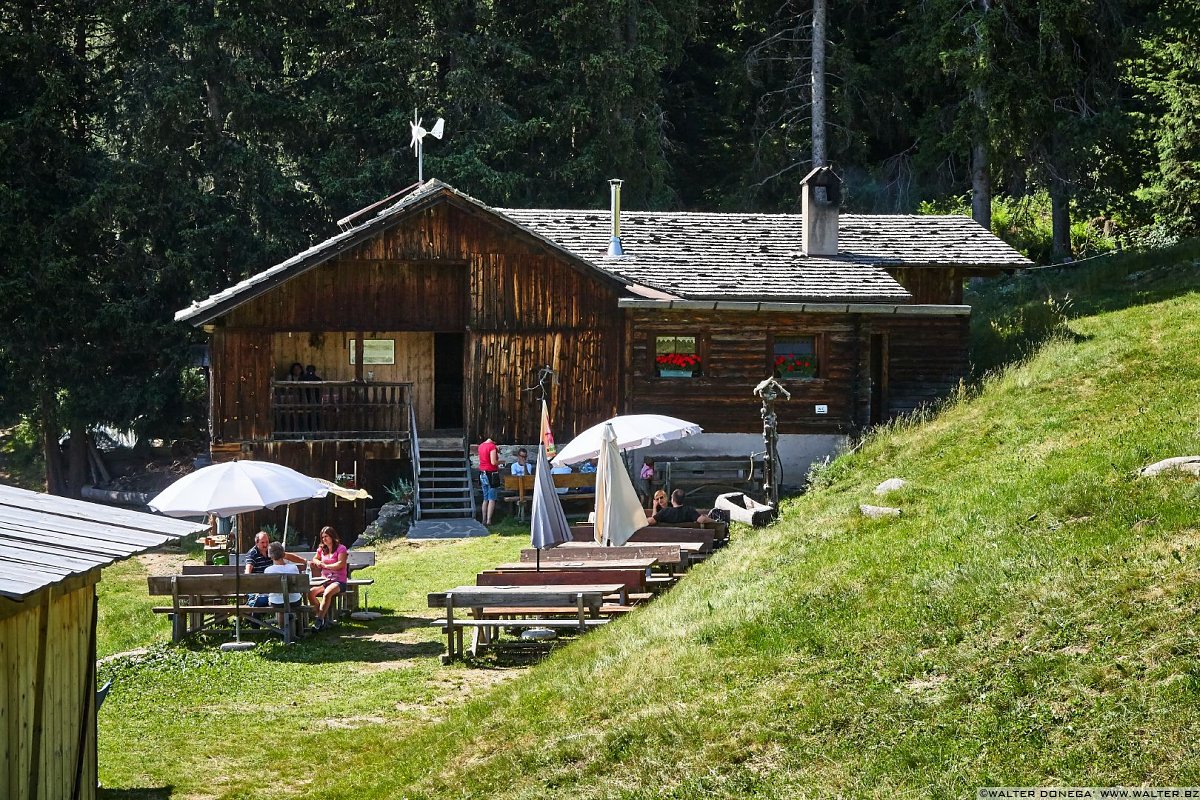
442, 269
48, 691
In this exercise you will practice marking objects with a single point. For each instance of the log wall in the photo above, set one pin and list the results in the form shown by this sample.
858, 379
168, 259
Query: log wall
48, 692
926, 357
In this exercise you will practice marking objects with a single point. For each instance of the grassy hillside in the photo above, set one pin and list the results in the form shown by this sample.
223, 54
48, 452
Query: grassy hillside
1029, 620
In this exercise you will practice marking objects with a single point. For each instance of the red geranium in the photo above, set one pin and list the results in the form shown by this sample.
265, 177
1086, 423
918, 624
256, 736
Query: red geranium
684, 361
796, 366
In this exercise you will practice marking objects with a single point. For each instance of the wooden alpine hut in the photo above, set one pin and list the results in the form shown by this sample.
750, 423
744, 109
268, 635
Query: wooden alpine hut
430, 316
54, 549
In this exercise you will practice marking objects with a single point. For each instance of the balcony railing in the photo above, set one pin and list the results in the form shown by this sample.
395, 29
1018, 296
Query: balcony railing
340, 409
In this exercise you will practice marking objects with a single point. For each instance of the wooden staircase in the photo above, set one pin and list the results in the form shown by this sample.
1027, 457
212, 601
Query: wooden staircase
444, 486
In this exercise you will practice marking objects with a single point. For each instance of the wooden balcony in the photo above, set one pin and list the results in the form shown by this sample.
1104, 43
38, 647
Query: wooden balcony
340, 410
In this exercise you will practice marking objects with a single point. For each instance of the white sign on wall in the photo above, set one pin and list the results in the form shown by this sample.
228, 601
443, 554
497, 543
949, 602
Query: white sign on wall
375, 351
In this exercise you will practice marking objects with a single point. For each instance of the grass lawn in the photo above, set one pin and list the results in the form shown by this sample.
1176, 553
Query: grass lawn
190, 721
1030, 619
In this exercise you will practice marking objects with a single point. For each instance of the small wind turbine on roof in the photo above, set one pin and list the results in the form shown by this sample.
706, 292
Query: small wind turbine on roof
418, 141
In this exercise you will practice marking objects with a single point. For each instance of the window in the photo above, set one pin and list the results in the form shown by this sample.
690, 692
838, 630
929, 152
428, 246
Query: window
795, 358
676, 356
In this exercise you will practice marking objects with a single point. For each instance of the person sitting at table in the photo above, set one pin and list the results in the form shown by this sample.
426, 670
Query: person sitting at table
331, 559
296, 373
660, 502
522, 466
588, 466
281, 564
678, 512
560, 469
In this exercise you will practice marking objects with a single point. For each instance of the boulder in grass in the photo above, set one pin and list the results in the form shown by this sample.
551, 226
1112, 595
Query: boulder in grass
878, 512
891, 485
1188, 464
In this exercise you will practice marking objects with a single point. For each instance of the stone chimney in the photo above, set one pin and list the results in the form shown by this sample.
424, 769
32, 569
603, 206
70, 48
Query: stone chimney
822, 198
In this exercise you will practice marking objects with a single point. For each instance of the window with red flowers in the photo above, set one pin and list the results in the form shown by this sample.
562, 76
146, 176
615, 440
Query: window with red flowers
795, 358
677, 357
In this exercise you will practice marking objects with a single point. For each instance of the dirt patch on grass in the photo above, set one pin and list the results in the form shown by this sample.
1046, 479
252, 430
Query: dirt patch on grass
162, 563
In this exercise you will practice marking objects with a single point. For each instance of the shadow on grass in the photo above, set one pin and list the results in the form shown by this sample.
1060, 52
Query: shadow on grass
352, 642
159, 793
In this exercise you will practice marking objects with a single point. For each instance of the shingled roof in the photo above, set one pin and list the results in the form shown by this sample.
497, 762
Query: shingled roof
738, 256
694, 256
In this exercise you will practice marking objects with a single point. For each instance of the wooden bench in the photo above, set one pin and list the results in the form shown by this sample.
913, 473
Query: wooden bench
633, 581
523, 486
655, 534
200, 601
585, 600
348, 600
668, 556
720, 474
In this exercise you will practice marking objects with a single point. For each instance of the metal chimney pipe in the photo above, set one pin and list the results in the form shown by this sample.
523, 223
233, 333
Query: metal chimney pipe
614, 244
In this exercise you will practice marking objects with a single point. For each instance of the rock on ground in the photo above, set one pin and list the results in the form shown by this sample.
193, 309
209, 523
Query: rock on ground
1188, 464
891, 485
878, 512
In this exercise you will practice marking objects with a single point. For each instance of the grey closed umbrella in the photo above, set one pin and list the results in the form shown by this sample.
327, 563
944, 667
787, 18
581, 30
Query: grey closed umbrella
549, 523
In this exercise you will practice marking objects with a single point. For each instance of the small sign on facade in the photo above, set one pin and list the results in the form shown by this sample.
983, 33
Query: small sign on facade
375, 351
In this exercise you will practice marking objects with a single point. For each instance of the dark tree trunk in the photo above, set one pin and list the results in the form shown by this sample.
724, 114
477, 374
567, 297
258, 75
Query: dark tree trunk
820, 151
77, 461
1060, 219
981, 185
55, 483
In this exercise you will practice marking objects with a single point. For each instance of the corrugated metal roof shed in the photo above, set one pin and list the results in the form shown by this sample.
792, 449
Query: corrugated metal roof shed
46, 539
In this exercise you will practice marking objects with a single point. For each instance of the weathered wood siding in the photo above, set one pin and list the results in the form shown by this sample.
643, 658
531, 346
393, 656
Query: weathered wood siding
48, 692
441, 269
241, 385
925, 359
527, 313
932, 285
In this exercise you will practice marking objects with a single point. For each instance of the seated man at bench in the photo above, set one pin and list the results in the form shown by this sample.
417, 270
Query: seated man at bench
678, 512
281, 565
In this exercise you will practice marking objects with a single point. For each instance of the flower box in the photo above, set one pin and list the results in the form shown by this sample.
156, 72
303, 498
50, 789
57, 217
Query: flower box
675, 373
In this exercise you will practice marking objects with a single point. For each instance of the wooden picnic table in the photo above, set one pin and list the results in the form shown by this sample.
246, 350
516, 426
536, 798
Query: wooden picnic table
582, 564
686, 547
584, 599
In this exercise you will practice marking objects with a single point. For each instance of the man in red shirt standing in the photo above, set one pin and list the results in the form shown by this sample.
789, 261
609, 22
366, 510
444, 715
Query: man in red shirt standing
489, 478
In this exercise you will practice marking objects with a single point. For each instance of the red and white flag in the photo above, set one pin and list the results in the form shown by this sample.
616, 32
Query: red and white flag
547, 436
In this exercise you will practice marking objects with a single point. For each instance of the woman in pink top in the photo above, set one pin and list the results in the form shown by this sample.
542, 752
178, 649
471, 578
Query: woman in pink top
330, 559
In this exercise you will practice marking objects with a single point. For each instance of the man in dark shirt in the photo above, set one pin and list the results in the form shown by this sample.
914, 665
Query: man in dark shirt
257, 558
678, 512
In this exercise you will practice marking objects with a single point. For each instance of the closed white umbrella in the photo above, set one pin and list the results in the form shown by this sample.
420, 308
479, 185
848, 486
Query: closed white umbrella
630, 432
619, 512
549, 525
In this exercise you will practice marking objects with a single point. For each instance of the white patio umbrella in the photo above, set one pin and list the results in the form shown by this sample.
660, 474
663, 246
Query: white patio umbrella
619, 512
548, 525
235, 487
631, 431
